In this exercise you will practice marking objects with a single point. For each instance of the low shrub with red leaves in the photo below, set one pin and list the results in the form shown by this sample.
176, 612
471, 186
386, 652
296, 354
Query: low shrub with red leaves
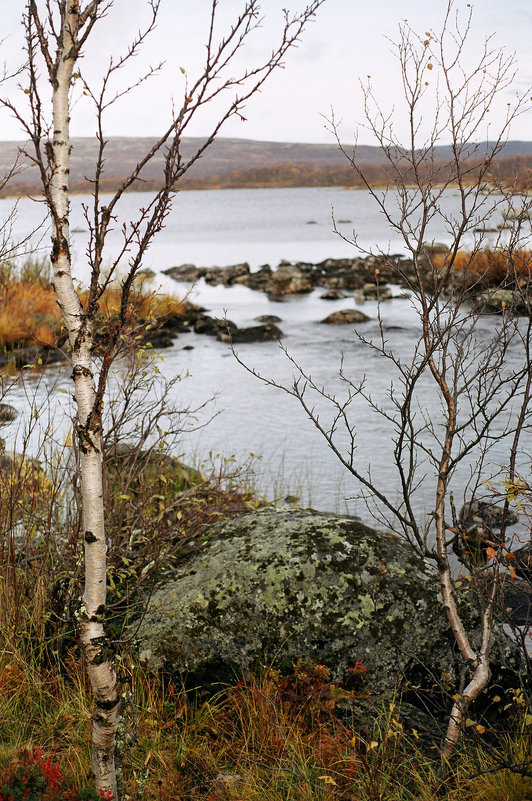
34, 777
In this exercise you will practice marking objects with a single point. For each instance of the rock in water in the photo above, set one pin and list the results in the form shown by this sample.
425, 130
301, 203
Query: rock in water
294, 583
346, 317
333, 294
7, 413
188, 273
288, 280
268, 332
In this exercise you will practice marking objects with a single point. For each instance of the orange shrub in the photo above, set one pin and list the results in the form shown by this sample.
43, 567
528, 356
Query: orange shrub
30, 315
142, 305
492, 265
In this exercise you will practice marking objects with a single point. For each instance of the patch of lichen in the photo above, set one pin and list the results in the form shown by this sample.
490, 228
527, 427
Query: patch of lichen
291, 584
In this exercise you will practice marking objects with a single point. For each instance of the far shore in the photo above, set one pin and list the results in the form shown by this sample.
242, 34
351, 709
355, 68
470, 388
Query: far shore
218, 185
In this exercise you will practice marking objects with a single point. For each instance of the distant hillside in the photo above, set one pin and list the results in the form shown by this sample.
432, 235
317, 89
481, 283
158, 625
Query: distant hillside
232, 163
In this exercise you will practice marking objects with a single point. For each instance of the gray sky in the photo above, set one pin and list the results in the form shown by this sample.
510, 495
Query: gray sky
345, 42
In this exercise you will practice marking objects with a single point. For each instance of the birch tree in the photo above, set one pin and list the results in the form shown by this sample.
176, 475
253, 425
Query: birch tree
56, 32
483, 401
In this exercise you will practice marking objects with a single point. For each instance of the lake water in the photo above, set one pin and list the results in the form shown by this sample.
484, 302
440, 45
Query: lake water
264, 226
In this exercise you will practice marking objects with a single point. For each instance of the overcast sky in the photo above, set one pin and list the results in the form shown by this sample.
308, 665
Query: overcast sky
345, 42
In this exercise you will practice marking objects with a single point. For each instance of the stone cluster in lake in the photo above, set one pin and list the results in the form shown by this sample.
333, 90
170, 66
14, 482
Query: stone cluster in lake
294, 279
361, 278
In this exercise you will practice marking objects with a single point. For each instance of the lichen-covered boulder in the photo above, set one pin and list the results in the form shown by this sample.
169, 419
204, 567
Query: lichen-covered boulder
294, 583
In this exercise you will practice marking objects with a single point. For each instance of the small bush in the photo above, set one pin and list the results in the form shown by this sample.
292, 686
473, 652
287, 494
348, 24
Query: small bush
33, 777
491, 266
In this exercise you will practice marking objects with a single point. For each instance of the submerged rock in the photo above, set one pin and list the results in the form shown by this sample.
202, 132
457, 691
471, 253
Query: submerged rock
214, 327
227, 331
372, 291
333, 294
268, 318
289, 584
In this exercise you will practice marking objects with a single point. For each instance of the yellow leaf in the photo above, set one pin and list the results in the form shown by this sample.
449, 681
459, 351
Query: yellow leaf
512, 571
328, 780
480, 729
491, 553
528, 719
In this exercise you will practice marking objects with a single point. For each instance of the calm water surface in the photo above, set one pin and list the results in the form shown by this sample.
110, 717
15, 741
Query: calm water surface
264, 226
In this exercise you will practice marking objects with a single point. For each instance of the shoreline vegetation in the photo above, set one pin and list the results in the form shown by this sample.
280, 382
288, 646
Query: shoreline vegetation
281, 731
242, 164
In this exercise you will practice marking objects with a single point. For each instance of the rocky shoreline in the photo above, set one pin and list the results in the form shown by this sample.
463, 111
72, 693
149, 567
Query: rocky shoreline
361, 278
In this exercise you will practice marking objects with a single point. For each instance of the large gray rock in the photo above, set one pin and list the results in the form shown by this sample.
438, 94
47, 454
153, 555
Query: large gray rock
289, 584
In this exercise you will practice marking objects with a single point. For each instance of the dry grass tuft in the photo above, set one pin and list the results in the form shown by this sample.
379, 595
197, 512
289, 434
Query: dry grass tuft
30, 315
493, 266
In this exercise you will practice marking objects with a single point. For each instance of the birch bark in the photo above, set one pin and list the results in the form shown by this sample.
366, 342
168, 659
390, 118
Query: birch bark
78, 324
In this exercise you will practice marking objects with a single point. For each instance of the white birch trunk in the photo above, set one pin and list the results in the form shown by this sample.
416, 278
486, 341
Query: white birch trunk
479, 662
80, 334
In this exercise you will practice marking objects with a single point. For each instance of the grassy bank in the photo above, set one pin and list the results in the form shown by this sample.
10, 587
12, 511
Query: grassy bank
271, 738
489, 266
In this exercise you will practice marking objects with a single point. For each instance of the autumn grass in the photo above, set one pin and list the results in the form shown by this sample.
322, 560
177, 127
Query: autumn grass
248, 741
30, 315
493, 266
